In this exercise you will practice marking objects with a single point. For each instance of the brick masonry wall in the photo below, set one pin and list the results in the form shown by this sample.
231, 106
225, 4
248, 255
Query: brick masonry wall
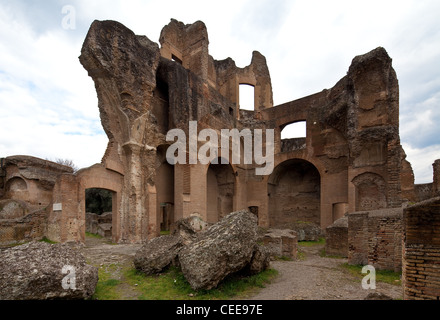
336, 238
31, 227
423, 191
375, 238
421, 251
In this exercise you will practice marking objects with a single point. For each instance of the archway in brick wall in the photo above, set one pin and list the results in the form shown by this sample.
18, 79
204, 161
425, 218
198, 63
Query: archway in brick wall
220, 191
165, 196
164, 191
99, 205
294, 190
100, 178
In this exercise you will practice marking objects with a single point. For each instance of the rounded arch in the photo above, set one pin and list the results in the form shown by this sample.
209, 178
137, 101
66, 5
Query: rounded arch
294, 190
222, 161
165, 196
99, 177
16, 184
220, 182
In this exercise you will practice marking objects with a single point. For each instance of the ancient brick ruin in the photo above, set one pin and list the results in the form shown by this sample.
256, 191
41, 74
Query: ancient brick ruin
349, 165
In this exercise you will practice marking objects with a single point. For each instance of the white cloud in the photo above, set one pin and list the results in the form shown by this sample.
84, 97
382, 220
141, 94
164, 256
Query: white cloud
46, 96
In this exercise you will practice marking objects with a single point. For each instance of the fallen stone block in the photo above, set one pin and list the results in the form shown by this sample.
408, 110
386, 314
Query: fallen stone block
260, 261
224, 248
42, 271
157, 254
281, 243
189, 228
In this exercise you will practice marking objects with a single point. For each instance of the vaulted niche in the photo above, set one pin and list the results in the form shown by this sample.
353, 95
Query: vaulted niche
294, 190
165, 191
220, 191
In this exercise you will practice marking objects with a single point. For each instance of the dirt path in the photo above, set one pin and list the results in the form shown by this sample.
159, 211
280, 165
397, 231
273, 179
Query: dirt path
113, 258
319, 278
103, 252
311, 278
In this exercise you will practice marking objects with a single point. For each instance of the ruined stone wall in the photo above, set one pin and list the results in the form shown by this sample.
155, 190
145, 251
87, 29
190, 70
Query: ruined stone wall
407, 181
421, 251
350, 160
31, 227
375, 237
27, 184
145, 90
67, 216
423, 191
336, 238
436, 178
31, 179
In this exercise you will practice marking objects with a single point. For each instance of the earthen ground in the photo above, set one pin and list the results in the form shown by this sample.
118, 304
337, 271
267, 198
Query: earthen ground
310, 278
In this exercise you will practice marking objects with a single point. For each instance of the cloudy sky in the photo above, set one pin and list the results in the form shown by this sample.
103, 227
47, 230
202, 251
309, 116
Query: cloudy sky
48, 104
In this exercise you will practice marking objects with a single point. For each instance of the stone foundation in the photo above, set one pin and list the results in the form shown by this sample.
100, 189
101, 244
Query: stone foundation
30, 227
281, 243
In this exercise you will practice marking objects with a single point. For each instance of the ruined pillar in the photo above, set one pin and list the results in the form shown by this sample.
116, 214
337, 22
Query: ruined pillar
123, 67
373, 126
65, 222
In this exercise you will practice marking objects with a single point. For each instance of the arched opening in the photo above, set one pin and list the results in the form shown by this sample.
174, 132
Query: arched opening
99, 211
247, 97
293, 136
220, 191
164, 192
165, 196
294, 191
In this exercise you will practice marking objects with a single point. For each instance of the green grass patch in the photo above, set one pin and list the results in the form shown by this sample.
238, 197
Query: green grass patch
165, 233
321, 241
386, 276
106, 289
172, 285
300, 255
93, 235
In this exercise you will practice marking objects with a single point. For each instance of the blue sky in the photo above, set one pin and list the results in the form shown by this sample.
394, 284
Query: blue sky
48, 104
